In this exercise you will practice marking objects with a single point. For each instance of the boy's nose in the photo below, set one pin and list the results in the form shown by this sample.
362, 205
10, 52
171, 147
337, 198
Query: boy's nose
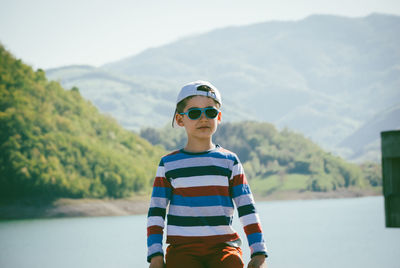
203, 116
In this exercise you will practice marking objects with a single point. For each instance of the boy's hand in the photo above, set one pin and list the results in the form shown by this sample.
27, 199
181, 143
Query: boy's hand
257, 261
157, 262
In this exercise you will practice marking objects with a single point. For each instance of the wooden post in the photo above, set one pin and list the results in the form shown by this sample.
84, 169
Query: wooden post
390, 146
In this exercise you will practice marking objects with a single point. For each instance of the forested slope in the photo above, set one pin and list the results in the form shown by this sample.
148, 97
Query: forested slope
279, 160
53, 143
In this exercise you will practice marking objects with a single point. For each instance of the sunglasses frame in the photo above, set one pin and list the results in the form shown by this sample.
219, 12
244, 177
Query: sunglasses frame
202, 111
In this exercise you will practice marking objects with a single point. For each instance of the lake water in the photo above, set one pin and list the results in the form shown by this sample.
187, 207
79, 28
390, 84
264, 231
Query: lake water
333, 233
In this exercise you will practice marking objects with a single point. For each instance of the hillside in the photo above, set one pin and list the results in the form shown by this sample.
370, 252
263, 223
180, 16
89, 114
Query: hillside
128, 100
277, 161
324, 76
365, 142
54, 143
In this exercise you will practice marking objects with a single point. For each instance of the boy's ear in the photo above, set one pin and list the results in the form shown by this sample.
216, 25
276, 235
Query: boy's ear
219, 117
179, 119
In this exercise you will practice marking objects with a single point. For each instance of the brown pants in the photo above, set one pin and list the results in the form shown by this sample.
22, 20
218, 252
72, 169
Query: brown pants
203, 256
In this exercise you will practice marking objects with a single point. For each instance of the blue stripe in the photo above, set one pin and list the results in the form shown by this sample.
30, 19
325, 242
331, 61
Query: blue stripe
164, 192
198, 171
255, 238
215, 154
240, 190
202, 201
154, 239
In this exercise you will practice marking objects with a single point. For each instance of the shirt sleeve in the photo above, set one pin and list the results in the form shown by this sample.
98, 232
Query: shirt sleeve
244, 201
160, 198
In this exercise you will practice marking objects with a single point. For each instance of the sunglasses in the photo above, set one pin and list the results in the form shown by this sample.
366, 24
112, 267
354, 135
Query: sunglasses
195, 113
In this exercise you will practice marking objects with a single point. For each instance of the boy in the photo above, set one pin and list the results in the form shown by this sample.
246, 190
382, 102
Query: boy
199, 184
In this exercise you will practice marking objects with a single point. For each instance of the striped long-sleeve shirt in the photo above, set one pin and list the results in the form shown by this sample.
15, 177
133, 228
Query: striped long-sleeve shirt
199, 191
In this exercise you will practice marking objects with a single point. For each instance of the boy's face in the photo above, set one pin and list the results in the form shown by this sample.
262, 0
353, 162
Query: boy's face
202, 128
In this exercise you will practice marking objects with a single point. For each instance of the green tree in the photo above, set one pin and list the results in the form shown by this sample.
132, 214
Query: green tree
53, 143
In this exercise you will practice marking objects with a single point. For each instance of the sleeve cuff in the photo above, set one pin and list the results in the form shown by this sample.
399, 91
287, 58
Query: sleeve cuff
260, 253
153, 255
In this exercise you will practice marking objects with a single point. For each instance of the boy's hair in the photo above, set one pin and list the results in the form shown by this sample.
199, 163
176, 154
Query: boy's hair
215, 96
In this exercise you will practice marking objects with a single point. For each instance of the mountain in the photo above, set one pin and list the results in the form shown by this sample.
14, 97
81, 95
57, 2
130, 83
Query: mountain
54, 143
130, 101
279, 161
365, 142
324, 76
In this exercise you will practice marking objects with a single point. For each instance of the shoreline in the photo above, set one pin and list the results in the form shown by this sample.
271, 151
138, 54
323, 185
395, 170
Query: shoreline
68, 207
308, 195
65, 207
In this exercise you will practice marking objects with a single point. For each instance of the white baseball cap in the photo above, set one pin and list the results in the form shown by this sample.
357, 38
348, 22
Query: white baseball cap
196, 88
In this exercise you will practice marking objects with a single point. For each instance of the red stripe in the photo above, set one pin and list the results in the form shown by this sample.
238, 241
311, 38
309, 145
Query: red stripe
202, 191
154, 230
213, 239
252, 228
238, 180
161, 182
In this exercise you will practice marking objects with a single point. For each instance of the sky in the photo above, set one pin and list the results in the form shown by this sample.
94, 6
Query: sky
53, 33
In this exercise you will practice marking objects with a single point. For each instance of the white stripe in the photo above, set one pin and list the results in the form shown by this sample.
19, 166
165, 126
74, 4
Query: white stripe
200, 211
199, 230
237, 170
159, 202
154, 249
198, 162
155, 221
258, 247
249, 219
160, 171
200, 181
243, 200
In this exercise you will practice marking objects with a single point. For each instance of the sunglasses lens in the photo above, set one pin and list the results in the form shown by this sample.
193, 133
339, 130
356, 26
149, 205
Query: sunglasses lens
211, 113
194, 114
